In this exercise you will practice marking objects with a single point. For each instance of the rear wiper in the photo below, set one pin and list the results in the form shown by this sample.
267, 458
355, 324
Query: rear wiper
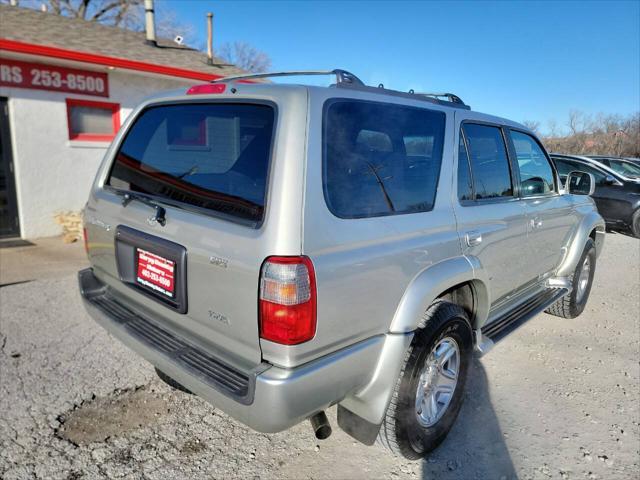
159, 217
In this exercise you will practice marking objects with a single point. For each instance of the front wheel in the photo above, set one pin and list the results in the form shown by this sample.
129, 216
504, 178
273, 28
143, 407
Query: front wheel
429, 391
572, 304
635, 224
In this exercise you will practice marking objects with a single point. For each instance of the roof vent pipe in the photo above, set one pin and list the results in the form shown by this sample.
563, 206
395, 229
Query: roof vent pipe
210, 38
150, 23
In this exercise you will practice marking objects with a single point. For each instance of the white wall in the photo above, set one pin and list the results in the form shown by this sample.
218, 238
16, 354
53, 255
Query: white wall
54, 174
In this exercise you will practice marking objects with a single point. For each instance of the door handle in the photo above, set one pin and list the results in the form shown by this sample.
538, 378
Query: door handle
473, 238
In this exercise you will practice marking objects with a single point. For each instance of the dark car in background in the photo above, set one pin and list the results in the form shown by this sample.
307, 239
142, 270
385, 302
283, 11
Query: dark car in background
617, 197
626, 167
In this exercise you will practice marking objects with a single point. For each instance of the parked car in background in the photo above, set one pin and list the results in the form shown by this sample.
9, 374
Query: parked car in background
278, 249
623, 166
617, 197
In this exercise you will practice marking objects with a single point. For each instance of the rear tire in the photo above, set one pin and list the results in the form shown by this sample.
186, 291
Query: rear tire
171, 382
572, 304
413, 425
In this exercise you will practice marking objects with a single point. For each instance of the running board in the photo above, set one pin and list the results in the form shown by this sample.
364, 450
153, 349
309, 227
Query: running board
503, 326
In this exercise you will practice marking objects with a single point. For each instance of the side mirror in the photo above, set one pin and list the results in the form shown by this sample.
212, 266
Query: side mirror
610, 180
580, 183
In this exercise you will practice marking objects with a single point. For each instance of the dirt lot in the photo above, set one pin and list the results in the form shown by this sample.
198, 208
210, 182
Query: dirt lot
557, 399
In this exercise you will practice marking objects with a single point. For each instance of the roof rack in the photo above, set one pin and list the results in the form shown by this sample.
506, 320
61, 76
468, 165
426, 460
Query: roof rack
451, 97
342, 76
345, 79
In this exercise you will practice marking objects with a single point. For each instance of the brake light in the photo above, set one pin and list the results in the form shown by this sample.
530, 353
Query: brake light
287, 300
85, 239
206, 88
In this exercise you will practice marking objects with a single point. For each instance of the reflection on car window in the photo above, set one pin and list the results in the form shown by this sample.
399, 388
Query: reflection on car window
381, 159
465, 188
536, 174
368, 140
489, 163
211, 156
627, 169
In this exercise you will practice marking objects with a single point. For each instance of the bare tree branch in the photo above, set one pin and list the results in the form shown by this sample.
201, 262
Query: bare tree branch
244, 56
602, 135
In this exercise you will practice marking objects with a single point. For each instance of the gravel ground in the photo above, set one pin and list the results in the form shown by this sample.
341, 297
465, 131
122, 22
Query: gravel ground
557, 399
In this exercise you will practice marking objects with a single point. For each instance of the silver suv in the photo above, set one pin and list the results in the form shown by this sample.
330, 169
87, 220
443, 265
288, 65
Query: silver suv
278, 249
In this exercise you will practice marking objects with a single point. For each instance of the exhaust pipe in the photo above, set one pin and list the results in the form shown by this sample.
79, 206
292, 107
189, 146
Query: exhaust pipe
321, 426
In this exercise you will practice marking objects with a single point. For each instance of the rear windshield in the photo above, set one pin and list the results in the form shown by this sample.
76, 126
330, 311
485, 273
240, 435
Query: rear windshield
381, 159
210, 156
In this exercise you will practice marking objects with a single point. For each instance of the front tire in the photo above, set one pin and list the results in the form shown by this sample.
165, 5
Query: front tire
429, 391
635, 224
572, 304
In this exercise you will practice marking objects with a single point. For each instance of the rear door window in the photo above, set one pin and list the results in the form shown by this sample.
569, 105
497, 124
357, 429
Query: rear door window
380, 159
209, 156
489, 161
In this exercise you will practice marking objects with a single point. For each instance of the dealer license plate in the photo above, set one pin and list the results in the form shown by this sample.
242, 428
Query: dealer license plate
155, 273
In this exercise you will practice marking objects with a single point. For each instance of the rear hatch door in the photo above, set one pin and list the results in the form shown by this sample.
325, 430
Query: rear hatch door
176, 228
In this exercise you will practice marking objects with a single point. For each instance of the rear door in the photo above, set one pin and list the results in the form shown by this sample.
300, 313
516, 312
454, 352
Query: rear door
207, 166
491, 219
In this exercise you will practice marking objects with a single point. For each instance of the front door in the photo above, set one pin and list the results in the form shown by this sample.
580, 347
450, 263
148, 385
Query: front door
9, 226
552, 218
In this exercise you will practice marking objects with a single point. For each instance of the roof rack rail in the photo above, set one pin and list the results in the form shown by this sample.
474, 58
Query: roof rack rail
345, 79
451, 97
342, 76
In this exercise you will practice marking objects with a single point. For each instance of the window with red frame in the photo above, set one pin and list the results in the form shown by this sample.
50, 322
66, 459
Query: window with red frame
92, 121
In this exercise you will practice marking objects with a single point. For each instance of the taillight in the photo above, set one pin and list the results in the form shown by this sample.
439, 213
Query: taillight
206, 88
85, 239
287, 300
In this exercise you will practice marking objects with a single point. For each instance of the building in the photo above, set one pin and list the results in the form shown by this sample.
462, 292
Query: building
66, 85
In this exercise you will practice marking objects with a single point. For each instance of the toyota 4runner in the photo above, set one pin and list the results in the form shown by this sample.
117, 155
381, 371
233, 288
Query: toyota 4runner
278, 249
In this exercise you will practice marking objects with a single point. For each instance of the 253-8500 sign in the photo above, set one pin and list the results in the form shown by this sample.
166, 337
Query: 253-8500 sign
14, 73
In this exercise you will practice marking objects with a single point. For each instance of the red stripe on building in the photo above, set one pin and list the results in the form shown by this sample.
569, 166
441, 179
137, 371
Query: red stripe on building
61, 53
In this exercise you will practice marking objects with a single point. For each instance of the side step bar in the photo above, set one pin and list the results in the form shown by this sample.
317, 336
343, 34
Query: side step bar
503, 326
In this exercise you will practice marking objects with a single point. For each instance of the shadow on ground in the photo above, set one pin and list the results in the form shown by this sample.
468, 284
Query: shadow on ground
475, 447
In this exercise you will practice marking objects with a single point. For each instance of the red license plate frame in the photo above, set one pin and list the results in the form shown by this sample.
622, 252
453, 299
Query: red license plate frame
155, 273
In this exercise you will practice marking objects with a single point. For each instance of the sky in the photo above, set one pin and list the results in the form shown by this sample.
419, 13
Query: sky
532, 61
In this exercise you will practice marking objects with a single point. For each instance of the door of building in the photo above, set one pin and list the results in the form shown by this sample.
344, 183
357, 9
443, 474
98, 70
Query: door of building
9, 226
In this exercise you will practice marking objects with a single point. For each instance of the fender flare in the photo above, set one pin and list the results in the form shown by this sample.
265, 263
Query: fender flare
435, 279
590, 222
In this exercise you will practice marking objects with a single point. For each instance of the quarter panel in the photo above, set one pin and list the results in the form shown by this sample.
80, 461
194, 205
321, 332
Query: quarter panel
363, 266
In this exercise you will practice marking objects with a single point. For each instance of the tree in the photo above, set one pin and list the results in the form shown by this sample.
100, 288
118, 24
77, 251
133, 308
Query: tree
244, 56
532, 125
600, 135
128, 14
109, 12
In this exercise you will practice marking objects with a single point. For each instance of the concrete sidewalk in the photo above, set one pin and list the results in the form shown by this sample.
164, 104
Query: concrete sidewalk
46, 258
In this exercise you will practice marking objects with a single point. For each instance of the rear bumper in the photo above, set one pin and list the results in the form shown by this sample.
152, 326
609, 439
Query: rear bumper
267, 398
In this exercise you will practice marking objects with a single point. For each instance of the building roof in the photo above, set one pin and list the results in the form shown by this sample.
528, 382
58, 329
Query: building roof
22, 27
